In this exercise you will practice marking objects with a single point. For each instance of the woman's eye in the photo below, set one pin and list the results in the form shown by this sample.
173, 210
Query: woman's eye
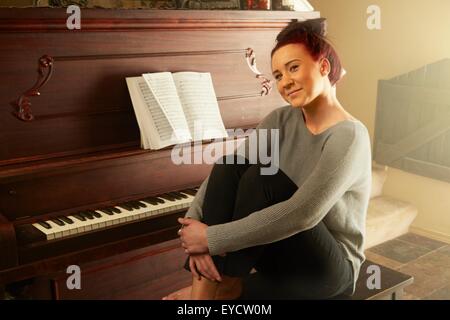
293, 68
278, 77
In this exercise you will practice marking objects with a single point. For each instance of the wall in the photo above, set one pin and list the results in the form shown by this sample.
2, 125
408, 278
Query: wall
412, 35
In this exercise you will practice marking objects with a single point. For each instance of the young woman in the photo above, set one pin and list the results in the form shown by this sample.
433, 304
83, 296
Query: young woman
302, 228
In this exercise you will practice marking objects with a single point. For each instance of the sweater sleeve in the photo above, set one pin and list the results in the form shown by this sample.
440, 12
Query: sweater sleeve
337, 169
195, 209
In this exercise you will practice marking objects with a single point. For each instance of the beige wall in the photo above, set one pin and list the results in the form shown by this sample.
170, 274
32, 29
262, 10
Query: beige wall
413, 33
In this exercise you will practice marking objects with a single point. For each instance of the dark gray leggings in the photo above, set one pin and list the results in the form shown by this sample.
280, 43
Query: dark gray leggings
307, 265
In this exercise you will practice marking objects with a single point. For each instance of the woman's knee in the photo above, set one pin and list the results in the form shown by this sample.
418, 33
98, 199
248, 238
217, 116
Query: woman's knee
277, 187
229, 167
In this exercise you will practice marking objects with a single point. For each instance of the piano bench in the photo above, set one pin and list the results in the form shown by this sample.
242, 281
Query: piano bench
391, 287
391, 284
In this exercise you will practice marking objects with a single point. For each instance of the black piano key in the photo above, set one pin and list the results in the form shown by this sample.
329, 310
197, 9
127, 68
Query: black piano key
190, 192
79, 217
167, 197
158, 200
108, 211
115, 210
58, 222
87, 215
125, 206
150, 201
45, 224
176, 195
95, 213
133, 204
182, 195
141, 204
154, 200
170, 194
66, 219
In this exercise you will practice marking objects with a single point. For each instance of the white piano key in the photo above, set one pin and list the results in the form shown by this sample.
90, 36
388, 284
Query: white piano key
105, 220
67, 229
56, 230
48, 233
122, 216
94, 224
83, 226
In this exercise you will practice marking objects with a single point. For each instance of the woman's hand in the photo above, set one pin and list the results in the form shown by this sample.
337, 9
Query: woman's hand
193, 236
202, 264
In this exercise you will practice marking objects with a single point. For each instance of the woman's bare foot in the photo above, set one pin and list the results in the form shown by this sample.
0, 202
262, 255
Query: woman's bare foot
203, 288
229, 289
182, 294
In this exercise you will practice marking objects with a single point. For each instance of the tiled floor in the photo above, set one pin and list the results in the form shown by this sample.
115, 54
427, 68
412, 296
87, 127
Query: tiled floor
427, 260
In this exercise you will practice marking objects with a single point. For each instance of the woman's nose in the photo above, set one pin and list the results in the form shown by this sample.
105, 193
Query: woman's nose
287, 83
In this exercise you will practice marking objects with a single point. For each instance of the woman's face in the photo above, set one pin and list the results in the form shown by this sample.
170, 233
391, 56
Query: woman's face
299, 78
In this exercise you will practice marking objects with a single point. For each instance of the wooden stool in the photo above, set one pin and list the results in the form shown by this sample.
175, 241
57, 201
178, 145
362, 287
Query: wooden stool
392, 284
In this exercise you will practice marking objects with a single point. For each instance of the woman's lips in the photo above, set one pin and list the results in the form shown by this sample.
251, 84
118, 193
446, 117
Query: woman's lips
294, 92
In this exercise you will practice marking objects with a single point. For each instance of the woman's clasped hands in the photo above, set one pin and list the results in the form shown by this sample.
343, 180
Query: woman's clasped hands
195, 243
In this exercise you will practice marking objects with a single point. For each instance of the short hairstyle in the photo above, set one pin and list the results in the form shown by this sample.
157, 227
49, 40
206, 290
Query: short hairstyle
312, 34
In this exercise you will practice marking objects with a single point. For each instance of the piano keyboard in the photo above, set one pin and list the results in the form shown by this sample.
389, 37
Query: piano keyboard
89, 220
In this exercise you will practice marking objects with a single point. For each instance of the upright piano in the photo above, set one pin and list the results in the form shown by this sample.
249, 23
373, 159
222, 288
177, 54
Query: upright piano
75, 186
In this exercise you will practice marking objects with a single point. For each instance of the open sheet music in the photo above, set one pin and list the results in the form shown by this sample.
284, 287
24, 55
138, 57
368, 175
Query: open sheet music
173, 108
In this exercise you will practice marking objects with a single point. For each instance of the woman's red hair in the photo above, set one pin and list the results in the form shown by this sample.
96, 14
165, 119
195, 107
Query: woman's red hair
312, 34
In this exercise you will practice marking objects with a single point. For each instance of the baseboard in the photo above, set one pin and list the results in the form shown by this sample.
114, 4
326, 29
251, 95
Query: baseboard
431, 234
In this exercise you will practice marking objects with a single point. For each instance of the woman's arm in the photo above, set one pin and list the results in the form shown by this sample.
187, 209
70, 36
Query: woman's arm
344, 156
195, 209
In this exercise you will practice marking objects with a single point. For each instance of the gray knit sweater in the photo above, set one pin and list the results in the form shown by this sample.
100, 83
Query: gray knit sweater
332, 171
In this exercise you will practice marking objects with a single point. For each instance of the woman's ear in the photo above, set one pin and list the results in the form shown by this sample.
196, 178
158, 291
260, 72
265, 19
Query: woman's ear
325, 67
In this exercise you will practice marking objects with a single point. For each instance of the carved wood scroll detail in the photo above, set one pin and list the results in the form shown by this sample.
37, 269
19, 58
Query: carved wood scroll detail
251, 61
22, 104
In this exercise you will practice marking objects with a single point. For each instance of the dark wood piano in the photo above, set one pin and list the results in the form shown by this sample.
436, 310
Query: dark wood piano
75, 186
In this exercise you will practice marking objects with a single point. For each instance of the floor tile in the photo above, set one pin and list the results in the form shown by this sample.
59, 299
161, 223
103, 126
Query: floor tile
430, 272
445, 250
424, 282
409, 296
437, 263
400, 251
372, 256
422, 241
427, 260
440, 294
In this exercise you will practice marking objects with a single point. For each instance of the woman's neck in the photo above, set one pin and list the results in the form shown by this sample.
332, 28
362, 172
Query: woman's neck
324, 112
